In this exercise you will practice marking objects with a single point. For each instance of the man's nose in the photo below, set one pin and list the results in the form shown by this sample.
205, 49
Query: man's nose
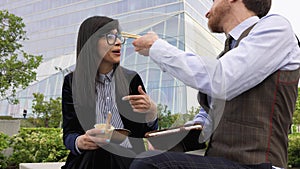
207, 14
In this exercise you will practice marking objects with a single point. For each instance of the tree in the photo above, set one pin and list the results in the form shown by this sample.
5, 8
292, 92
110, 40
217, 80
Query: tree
16, 66
47, 113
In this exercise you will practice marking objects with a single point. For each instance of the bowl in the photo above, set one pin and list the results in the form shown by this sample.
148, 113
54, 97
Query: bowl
119, 135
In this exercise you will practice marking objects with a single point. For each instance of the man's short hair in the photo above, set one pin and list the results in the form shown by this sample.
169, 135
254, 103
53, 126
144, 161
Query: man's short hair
259, 7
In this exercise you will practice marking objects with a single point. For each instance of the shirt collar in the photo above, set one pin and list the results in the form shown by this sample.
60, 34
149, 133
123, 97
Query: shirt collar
102, 77
239, 29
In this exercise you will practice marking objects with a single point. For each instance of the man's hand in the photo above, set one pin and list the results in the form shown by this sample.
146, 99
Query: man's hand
144, 43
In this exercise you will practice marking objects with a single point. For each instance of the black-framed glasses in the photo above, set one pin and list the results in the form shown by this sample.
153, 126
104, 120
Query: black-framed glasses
112, 38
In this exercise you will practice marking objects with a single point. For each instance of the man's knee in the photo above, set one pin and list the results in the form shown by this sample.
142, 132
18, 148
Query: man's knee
144, 163
145, 160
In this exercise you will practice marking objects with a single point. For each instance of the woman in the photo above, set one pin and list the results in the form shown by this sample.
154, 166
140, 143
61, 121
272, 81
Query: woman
94, 89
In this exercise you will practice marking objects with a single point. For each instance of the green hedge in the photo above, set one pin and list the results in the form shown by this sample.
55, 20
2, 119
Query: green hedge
4, 144
294, 150
33, 145
6, 118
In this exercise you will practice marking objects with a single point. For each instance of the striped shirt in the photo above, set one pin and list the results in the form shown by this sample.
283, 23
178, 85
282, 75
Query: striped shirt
106, 101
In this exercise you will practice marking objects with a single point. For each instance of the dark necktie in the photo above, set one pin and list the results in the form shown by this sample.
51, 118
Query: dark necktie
228, 44
227, 47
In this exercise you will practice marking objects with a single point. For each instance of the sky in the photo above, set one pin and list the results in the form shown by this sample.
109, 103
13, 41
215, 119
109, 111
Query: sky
289, 9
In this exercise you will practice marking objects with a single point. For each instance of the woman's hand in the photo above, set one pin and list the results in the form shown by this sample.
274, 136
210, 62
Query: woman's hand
92, 139
142, 103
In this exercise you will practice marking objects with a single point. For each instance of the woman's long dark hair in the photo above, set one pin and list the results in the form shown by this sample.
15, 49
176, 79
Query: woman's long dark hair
87, 64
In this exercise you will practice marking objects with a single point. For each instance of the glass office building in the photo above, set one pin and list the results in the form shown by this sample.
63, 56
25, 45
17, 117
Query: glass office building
52, 26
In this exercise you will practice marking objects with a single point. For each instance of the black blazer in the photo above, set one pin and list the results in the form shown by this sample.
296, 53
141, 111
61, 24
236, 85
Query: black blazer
126, 82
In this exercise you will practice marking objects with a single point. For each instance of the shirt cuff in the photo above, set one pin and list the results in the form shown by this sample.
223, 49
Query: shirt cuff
201, 117
151, 123
158, 48
76, 148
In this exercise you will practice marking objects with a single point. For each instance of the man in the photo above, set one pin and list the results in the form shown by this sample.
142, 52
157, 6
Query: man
24, 113
257, 80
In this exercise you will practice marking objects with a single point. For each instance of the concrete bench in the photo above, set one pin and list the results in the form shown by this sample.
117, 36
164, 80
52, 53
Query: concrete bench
57, 165
197, 152
48, 165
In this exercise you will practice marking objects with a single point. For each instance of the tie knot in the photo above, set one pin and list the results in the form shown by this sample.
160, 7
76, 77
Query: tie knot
228, 43
227, 46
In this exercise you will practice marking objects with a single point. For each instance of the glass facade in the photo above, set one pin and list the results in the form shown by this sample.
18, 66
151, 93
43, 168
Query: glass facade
52, 27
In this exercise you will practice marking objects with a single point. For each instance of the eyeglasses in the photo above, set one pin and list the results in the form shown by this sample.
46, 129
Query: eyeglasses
112, 38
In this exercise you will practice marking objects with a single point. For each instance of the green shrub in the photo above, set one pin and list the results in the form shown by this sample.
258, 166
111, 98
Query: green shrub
6, 118
294, 150
166, 119
34, 145
4, 142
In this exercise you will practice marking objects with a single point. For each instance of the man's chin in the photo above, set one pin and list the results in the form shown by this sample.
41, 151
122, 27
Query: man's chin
215, 30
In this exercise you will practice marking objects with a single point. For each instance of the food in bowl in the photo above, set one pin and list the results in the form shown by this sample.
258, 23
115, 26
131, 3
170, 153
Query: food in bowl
107, 130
